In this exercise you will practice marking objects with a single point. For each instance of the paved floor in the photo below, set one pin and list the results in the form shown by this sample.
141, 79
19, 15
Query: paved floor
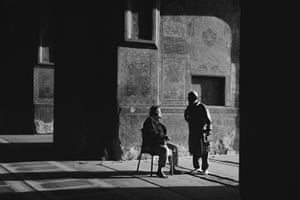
87, 180
30, 138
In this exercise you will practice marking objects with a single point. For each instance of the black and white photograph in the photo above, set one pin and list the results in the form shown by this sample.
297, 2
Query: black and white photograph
120, 99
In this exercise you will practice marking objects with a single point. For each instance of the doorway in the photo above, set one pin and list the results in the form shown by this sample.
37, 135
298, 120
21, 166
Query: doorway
19, 34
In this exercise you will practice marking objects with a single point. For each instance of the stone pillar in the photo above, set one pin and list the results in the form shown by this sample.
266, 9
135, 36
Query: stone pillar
43, 98
44, 74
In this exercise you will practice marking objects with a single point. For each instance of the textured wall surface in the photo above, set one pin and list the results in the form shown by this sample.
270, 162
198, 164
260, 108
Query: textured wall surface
44, 99
137, 76
225, 135
137, 91
173, 78
175, 57
43, 118
210, 46
195, 39
223, 140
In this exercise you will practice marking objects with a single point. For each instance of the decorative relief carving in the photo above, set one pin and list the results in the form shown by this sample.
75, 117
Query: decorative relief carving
210, 68
209, 45
203, 67
215, 68
174, 73
43, 85
209, 37
136, 76
174, 46
174, 26
138, 80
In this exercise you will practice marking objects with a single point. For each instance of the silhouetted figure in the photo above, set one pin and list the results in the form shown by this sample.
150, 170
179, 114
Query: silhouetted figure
200, 125
156, 141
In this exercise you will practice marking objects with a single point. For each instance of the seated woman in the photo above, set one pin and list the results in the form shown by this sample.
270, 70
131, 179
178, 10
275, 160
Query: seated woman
155, 140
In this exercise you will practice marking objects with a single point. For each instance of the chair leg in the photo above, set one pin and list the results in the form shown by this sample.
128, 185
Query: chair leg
172, 165
151, 165
140, 156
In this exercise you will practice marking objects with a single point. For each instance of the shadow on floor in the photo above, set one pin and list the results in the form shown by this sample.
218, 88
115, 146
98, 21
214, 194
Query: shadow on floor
17, 152
146, 193
64, 175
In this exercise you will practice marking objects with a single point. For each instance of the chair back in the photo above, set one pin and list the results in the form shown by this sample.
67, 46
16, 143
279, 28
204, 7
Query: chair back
143, 135
145, 148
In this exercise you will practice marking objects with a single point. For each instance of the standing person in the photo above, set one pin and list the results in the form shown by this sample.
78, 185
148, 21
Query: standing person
199, 121
156, 140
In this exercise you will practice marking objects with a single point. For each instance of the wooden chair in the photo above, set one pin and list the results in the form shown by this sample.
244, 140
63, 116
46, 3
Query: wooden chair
143, 151
146, 150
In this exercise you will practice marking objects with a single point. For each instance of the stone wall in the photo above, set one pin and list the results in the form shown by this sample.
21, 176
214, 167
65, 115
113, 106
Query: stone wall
137, 91
225, 135
223, 140
193, 41
43, 98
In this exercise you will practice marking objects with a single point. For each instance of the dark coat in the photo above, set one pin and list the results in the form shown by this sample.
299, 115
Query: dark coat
154, 133
199, 121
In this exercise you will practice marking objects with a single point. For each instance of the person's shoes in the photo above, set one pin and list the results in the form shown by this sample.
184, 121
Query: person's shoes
205, 172
195, 171
161, 174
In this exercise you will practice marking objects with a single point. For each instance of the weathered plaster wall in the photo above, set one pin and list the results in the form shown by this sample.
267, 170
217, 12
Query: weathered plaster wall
225, 135
195, 38
137, 76
137, 91
196, 44
43, 99
210, 46
223, 140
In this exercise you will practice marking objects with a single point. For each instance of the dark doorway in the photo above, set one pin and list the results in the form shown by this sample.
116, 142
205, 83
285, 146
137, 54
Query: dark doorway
211, 90
18, 43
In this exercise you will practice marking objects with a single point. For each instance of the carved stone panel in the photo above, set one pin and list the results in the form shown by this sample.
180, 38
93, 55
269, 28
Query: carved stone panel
210, 46
136, 76
173, 78
172, 45
174, 26
209, 37
43, 85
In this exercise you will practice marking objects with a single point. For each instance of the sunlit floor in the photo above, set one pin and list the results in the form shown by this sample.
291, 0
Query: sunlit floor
75, 179
30, 138
115, 180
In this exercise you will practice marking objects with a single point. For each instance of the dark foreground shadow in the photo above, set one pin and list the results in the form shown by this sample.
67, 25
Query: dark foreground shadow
14, 152
145, 193
26, 152
17, 152
77, 175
